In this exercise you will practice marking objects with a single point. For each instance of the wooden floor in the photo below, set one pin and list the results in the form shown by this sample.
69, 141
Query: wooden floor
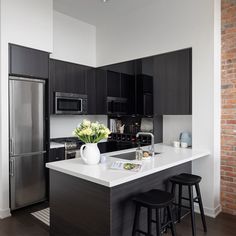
22, 223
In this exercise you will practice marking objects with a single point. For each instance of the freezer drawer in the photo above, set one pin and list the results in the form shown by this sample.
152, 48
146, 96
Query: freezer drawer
28, 184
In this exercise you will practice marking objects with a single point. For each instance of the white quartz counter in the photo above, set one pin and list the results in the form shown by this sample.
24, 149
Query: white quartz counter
102, 174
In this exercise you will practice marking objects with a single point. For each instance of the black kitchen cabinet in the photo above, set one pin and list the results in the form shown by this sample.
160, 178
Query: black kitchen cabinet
92, 92
120, 80
69, 77
128, 91
28, 62
144, 82
101, 91
173, 83
56, 154
113, 84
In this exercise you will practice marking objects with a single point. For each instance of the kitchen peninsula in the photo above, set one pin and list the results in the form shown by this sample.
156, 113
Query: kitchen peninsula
96, 200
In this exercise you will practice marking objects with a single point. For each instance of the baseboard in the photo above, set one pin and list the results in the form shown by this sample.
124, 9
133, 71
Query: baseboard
5, 213
209, 211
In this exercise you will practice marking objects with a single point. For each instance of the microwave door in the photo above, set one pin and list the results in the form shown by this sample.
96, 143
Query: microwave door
68, 105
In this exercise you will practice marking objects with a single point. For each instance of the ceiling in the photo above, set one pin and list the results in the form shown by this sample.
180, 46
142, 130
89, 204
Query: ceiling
96, 12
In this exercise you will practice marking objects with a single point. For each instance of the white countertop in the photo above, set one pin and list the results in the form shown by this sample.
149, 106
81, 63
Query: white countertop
56, 145
102, 174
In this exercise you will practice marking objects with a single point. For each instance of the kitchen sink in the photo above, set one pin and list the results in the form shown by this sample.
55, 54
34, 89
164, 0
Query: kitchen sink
129, 156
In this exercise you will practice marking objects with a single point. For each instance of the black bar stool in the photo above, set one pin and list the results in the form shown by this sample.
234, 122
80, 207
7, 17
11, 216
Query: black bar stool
189, 180
154, 200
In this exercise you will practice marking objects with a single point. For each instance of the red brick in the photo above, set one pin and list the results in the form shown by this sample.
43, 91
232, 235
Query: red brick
228, 105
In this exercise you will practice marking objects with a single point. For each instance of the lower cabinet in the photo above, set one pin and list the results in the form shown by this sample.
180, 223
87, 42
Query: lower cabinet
56, 154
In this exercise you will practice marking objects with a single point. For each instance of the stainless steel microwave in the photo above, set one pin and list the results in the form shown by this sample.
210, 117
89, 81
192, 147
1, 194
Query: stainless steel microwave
70, 103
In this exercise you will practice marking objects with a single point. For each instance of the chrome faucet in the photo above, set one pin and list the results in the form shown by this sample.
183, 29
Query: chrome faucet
152, 144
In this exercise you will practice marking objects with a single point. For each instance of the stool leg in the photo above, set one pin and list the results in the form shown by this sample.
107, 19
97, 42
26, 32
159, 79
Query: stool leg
201, 207
158, 222
149, 221
180, 203
173, 192
190, 189
170, 216
136, 219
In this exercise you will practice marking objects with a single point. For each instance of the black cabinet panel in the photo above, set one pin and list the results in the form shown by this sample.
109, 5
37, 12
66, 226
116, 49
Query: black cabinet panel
91, 91
144, 95
28, 62
144, 80
113, 84
128, 91
69, 77
51, 85
172, 83
101, 92
56, 154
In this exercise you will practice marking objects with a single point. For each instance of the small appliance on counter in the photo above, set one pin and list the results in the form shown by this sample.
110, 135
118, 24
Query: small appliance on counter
146, 125
186, 137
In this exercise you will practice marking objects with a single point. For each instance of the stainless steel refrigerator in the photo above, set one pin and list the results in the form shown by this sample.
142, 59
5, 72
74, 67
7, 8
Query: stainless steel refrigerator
27, 141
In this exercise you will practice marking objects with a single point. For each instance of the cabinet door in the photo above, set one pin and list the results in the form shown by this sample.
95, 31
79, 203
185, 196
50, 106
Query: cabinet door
56, 154
128, 91
60, 77
76, 77
113, 84
144, 96
172, 84
28, 62
51, 85
101, 92
69, 77
92, 93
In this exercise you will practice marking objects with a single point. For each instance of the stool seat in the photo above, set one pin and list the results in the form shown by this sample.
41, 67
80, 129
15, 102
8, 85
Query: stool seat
158, 201
186, 179
154, 198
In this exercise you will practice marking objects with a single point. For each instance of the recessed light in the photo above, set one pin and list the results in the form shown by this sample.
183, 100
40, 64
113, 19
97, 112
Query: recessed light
104, 1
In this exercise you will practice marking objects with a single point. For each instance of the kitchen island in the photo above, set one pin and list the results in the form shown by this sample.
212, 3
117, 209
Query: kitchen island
96, 200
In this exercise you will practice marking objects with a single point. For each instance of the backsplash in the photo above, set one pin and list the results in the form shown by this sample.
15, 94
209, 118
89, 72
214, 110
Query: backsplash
62, 126
173, 125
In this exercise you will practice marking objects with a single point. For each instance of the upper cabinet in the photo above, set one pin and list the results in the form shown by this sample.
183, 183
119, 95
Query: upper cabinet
120, 88
144, 81
28, 62
68, 77
156, 85
173, 83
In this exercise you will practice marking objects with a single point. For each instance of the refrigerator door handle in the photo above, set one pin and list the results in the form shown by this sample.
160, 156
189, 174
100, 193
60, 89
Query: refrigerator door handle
30, 154
11, 146
12, 167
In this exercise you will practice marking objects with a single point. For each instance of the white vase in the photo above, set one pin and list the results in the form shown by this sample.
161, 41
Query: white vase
90, 153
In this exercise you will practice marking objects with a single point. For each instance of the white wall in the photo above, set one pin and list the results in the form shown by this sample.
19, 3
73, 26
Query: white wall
173, 125
73, 40
62, 126
167, 25
27, 23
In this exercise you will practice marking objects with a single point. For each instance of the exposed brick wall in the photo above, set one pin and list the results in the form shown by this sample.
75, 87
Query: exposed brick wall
228, 127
